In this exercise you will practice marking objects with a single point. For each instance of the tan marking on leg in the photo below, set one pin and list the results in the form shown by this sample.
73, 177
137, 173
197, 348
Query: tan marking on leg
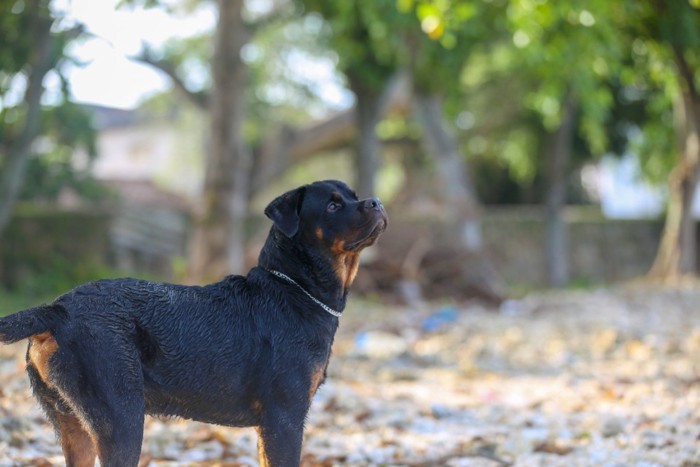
41, 348
263, 459
77, 444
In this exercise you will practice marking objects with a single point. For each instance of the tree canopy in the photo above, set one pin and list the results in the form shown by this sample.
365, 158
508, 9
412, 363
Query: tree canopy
32, 51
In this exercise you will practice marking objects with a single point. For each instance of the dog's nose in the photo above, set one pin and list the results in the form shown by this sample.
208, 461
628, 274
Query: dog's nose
373, 203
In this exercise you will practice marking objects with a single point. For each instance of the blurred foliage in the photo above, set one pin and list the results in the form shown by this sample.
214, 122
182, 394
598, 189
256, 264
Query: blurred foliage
287, 64
64, 126
663, 32
45, 251
13, 301
284, 59
53, 169
58, 275
615, 57
557, 51
448, 33
504, 66
367, 37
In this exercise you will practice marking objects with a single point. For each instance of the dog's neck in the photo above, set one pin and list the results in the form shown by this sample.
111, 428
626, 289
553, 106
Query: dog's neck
313, 271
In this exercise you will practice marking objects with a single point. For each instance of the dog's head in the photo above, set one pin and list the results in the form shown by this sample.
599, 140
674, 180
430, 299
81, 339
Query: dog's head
328, 216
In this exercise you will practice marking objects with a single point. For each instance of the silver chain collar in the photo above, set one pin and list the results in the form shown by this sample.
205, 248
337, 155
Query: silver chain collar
314, 299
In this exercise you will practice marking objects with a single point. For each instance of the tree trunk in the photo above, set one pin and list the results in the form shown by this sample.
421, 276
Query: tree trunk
676, 256
456, 185
218, 239
458, 192
558, 157
367, 146
16, 152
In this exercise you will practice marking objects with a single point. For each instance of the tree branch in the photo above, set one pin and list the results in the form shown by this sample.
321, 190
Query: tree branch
290, 145
199, 99
273, 16
686, 73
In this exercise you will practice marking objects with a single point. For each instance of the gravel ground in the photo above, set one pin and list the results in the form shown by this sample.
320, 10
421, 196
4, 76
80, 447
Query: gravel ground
596, 378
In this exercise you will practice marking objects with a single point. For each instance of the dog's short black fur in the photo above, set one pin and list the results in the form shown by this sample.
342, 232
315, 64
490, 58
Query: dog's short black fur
246, 351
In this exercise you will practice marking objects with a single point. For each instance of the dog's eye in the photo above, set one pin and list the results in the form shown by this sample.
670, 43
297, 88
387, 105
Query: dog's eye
333, 206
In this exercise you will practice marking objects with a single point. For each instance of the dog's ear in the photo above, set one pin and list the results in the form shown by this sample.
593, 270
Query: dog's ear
284, 211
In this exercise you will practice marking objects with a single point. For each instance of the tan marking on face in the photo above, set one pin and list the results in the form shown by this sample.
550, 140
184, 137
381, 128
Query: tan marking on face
41, 348
77, 444
338, 247
346, 263
319, 233
351, 265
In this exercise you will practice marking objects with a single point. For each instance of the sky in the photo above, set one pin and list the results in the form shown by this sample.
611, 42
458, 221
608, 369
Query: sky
108, 77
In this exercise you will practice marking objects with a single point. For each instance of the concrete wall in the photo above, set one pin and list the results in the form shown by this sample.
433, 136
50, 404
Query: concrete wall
601, 250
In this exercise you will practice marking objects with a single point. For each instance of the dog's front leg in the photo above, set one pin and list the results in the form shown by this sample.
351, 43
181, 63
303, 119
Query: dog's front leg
279, 439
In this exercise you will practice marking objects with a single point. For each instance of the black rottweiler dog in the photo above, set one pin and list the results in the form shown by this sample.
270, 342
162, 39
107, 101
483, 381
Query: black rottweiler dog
247, 351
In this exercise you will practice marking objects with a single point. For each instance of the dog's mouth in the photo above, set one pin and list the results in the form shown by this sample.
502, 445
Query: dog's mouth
373, 229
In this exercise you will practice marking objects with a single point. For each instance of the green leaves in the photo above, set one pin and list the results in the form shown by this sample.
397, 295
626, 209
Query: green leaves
32, 48
568, 46
441, 20
367, 36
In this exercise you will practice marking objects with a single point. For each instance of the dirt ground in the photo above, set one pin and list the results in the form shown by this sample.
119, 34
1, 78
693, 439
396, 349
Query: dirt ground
597, 378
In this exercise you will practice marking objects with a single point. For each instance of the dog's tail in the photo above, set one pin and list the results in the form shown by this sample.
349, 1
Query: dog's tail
26, 323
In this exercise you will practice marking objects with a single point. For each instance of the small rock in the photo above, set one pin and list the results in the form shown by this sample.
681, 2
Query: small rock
612, 426
441, 411
638, 351
379, 344
246, 461
511, 307
438, 319
653, 440
551, 447
603, 342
